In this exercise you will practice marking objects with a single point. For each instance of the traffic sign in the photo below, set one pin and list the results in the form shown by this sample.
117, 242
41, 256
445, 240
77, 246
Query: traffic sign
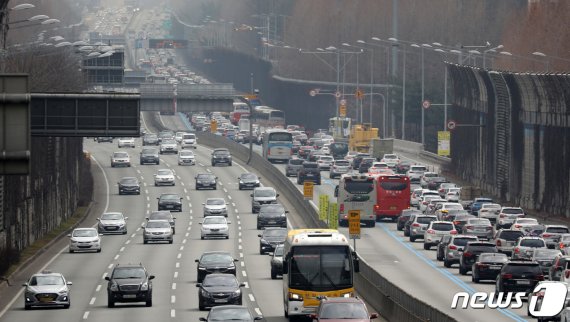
213, 126
308, 190
451, 125
354, 224
359, 94
342, 111
313, 92
337, 94
426, 104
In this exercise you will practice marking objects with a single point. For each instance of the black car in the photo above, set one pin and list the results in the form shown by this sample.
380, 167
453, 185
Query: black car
471, 254
219, 289
129, 283
170, 201
309, 172
270, 238
206, 181
405, 216
488, 266
248, 181
163, 215
105, 139
358, 158
365, 164
215, 262
150, 139
272, 215
149, 155
518, 276
129, 185
221, 156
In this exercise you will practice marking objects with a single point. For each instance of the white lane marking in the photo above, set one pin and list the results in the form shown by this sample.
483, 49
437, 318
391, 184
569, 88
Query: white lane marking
229, 197
128, 241
251, 298
98, 288
239, 222
142, 178
148, 205
239, 247
187, 234
106, 196
191, 218
173, 286
241, 255
244, 273
237, 216
178, 177
208, 170
246, 284
185, 191
117, 256
92, 301
179, 256
138, 171
173, 299
104, 275
239, 227
239, 234
144, 183
201, 164
184, 241
258, 311
181, 247
173, 313
225, 190
235, 210
132, 236
233, 204
177, 265
190, 205
110, 266
85, 315
176, 274
242, 264
191, 212
239, 240
122, 249
182, 183
221, 184
138, 229
147, 198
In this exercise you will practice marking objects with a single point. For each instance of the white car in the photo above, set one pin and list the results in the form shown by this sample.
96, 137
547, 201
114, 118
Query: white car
126, 142
436, 230
416, 196
490, 211
324, 162
82, 239
452, 194
178, 136
120, 158
157, 230
164, 177
215, 207
416, 172
391, 160
424, 182
524, 224
508, 215
189, 140
215, 226
186, 157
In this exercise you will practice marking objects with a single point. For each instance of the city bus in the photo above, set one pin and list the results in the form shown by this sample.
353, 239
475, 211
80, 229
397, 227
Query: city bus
267, 117
316, 262
357, 192
240, 110
392, 196
277, 145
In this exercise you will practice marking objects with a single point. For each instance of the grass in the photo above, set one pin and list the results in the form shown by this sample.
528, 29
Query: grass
31, 250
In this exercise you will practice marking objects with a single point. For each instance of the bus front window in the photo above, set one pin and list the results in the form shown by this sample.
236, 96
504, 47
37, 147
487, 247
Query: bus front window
320, 268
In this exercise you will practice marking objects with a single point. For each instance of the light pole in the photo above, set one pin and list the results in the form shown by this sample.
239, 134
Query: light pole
492, 50
540, 54
423, 85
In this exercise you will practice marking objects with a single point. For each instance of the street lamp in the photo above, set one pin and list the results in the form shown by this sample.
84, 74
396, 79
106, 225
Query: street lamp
540, 54
492, 50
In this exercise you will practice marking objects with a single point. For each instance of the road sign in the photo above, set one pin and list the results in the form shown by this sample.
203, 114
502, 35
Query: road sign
324, 207
354, 224
451, 125
426, 104
337, 94
359, 94
343, 102
308, 190
313, 92
213, 126
333, 215
342, 111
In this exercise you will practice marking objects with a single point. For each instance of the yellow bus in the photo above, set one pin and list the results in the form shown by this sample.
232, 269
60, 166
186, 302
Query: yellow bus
317, 262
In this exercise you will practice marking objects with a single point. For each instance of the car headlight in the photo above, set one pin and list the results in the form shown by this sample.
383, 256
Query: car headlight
73, 241
283, 215
114, 287
237, 292
144, 287
295, 297
122, 225
265, 242
201, 268
240, 182
199, 182
204, 293
63, 291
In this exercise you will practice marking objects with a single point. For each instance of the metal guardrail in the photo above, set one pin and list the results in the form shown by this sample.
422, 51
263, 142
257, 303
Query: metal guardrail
205, 90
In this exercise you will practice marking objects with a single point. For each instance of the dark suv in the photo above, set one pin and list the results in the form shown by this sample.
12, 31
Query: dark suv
221, 156
519, 276
149, 155
271, 238
471, 253
129, 283
309, 172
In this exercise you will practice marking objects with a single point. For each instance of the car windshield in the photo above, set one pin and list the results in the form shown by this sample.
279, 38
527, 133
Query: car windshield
164, 172
512, 211
272, 209
189, 136
264, 193
249, 176
186, 153
342, 163
120, 155
151, 136
320, 268
479, 221
129, 180
221, 153
160, 216
230, 314
46, 280
296, 162
493, 257
522, 268
527, 221
149, 151
128, 272
463, 241
168, 141
170, 197
205, 177
511, 235
442, 226
216, 258
454, 207
214, 220
215, 202
158, 224
338, 310
328, 159
425, 220
275, 233
84, 233
532, 243
112, 216
219, 280
557, 230
546, 253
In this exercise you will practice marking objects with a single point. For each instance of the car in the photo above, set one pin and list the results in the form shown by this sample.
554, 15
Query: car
129, 185
272, 215
524, 248
163, 215
518, 276
150, 139
186, 157
426, 198
189, 140
419, 226
324, 162
562, 315
453, 195
545, 257
488, 266
149, 155
479, 227
248, 181
338, 168
293, 166
445, 187
505, 240
157, 230
206, 181
215, 226
524, 224
309, 172
435, 230
126, 142
490, 211
262, 196
168, 146
214, 262
432, 206
221, 155
178, 136
314, 155
415, 198
558, 266
304, 152
215, 207
170, 201
477, 203
508, 215
219, 289
455, 248
271, 238
424, 179
346, 309
120, 159
230, 313
416, 172
391, 160
409, 222
365, 164
82, 239
112, 223
563, 244
443, 208
104, 139
405, 216
276, 261
435, 182
552, 233
358, 159
164, 177
129, 283
471, 253
453, 214
403, 167
47, 289
165, 135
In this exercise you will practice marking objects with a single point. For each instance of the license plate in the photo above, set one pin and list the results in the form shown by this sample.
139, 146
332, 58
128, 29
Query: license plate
481, 230
46, 299
129, 296
169, 206
272, 222
495, 267
220, 301
523, 282
111, 228
393, 207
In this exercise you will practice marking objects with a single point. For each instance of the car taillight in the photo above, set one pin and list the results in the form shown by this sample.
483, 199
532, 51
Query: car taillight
415, 225
425, 202
498, 243
567, 274
456, 222
502, 216
431, 231
468, 227
490, 228
507, 276
453, 247
481, 265
341, 208
561, 245
376, 207
516, 250
545, 235
539, 277
453, 232
467, 254
518, 226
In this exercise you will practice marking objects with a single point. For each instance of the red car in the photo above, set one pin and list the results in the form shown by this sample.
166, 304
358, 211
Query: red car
343, 309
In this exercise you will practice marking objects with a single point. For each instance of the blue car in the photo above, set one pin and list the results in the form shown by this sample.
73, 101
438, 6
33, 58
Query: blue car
477, 203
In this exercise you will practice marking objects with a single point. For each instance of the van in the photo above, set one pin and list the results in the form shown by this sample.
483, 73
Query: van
189, 140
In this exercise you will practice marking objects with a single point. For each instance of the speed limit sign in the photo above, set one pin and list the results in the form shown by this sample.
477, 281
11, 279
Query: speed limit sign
451, 125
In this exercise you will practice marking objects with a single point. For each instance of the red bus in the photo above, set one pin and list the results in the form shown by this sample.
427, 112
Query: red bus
392, 196
240, 109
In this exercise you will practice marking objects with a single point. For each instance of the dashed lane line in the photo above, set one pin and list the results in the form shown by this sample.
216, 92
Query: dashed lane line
251, 298
85, 315
92, 301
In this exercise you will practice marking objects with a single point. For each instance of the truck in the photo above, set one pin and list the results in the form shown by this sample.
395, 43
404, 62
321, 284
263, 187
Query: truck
243, 124
360, 136
379, 147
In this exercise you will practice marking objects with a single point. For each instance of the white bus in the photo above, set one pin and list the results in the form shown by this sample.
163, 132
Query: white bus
357, 192
277, 145
268, 117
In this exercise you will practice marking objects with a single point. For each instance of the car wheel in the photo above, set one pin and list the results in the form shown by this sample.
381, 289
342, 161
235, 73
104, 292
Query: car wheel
474, 279
446, 263
372, 224
227, 237
438, 257
149, 303
462, 270
27, 307
124, 232
273, 275
258, 227
406, 233
110, 303
202, 237
145, 241
240, 188
230, 164
201, 307
170, 241
99, 250
427, 246
71, 251
66, 306
412, 239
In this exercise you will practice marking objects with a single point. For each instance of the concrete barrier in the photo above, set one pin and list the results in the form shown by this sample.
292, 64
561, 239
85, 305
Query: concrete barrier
408, 146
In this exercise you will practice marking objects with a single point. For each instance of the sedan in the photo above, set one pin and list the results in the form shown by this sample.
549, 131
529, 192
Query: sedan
219, 289
338, 168
230, 313
248, 181
479, 227
272, 215
215, 226
186, 157
129, 185
206, 180
47, 289
150, 139
168, 146
488, 266
157, 230
271, 238
120, 158
112, 223
82, 239
149, 155
128, 142
164, 215
164, 177
544, 258
277, 262
215, 262
215, 207
169, 201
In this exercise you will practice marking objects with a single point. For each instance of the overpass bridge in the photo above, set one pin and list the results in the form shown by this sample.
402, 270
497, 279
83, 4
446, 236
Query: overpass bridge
168, 98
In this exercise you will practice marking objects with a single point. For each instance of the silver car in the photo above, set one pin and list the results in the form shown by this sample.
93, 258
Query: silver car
325, 162
293, 166
168, 146
120, 159
419, 226
82, 239
164, 177
524, 248
112, 223
157, 230
508, 215
215, 207
128, 142
186, 157
215, 226
454, 249
277, 262
338, 168
479, 227
47, 289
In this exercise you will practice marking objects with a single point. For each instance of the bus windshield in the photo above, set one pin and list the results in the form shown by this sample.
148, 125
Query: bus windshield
320, 269
358, 187
284, 137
